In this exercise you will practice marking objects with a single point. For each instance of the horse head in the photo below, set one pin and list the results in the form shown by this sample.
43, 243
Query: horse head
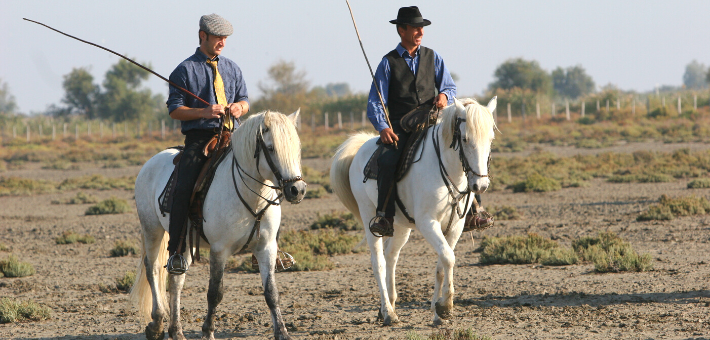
470, 129
272, 140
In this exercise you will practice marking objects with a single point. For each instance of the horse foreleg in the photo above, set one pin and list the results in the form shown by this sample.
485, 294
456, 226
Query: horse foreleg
267, 263
379, 269
153, 269
176, 284
215, 292
392, 248
443, 300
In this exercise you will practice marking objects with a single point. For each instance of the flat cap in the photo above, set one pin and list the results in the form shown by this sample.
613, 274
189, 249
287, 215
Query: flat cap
214, 24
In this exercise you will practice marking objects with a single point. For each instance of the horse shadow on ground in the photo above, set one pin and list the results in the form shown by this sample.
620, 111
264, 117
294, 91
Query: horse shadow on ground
576, 299
195, 334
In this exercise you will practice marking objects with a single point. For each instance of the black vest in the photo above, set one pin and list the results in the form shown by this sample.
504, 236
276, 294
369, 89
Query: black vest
407, 91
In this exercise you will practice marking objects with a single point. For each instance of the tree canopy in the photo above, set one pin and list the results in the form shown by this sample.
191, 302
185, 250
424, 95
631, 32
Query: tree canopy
521, 73
7, 100
695, 76
80, 92
572, 82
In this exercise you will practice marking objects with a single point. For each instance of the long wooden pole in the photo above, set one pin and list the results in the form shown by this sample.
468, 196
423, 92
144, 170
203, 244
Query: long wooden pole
382, 102
124, 57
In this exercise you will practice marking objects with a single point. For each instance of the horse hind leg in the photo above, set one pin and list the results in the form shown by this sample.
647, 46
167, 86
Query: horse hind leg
154, 249
215, 292
267, 262
176, 284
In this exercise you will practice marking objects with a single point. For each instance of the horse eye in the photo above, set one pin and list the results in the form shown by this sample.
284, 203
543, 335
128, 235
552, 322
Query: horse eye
271, 148
465, 139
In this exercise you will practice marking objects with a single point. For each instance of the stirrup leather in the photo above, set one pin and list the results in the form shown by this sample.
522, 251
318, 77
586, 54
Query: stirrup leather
177, 265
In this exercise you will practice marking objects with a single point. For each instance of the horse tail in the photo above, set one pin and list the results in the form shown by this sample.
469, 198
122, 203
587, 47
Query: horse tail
141, 295
340, 171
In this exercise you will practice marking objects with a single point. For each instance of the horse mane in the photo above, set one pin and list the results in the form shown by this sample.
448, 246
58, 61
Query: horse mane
480, 124
287, 145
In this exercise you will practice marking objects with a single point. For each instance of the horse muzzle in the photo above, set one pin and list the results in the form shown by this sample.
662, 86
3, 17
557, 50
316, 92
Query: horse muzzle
478, 184
295, 191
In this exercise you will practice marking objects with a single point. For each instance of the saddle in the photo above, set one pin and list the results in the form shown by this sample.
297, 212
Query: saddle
416, 122
215, 150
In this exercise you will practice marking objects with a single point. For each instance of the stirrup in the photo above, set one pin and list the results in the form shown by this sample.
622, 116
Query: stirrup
382, 226
284, 261
472, 225
177, 265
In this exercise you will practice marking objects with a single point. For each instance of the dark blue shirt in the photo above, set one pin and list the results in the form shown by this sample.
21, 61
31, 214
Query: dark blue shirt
443, 82
196, 76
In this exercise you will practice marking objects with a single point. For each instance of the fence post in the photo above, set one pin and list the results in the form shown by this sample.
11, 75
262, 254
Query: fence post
76, 131
101, 130
553, 110
364, 116
326, 120
150, 129
522, 111
633, 107
138, 129
14, 132
618, 104
125, 129
510, 117
598, 106
679, 104
695, 102
537, 110
88, 127
54, 132
583, 105
567, 109
28, 133
340, 121
607, 106
352, 121
113, 130
40, 130
162, 129
648, 104
663, 102
313, 123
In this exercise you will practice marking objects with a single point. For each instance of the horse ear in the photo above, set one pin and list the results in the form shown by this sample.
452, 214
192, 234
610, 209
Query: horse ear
294, 116
459, 105
492, 104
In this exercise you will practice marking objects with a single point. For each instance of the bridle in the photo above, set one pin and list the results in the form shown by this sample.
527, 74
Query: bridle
454, 192
258, 215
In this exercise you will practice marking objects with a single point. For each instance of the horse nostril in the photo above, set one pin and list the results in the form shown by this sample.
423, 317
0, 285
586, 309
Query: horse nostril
475, 187
294, 191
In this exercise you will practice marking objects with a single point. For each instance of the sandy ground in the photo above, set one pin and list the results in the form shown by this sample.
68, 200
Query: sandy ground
502, 301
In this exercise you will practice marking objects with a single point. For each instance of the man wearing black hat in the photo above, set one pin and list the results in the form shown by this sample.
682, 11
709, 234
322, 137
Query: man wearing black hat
409, 76
219, 81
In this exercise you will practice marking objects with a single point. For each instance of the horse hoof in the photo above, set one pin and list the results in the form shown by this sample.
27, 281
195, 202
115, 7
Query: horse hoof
391, 320
443, 312
151, 334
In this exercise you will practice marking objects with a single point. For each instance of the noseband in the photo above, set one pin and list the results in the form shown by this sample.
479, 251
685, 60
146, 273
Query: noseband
260, 146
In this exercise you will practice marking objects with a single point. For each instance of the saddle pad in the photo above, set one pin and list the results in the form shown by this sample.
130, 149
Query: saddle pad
406, 160
165, 200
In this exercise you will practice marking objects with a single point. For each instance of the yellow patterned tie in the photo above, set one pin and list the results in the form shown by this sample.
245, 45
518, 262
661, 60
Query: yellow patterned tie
219, 90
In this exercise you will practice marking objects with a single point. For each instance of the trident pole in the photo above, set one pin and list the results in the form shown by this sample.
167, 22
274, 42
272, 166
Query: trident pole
379, 94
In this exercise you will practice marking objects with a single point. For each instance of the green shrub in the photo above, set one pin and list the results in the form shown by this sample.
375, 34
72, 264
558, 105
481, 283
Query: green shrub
448, 334
126, 282
13, 311
311, 249
524, 250
610, 253
12, 267
537, 183
80, 198
342, 221
69, 237
3, 247
667, 208
114, 165
123, 248
504, 212
15, 186
98, 182
112, 205
700, 183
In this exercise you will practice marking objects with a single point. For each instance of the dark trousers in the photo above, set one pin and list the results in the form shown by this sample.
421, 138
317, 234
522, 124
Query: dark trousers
387, 162
189, 167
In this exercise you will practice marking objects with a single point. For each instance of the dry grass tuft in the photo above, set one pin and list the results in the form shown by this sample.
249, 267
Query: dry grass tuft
610, 253
12, 267
532, 248
14, 186
343, 221
126, 282
112, 205
69, 237
13, 311
123, 248
700, 183
448, 334
667, 208
504, 212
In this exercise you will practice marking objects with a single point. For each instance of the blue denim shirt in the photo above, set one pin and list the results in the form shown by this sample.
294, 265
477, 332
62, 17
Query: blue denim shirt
196, 76
443, 82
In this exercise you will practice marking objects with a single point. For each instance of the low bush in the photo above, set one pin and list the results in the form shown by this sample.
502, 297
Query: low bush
448, 334
315, 192
3, 247
112, 205
537, 183
15, 186
126, 282
311, 249
12, 267
342, 221
610, 253
667, 208
14, 311
69, 237
98, 182
700, 183
504, 212
123, 248
532, 248
80, 198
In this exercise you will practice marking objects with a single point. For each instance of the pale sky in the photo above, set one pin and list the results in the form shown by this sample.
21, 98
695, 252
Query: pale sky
632, 44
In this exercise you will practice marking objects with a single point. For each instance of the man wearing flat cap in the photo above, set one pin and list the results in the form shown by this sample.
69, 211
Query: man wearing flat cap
218, 81
408, 77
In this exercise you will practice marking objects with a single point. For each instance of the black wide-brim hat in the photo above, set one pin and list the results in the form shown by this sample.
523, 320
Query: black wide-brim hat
410, 16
